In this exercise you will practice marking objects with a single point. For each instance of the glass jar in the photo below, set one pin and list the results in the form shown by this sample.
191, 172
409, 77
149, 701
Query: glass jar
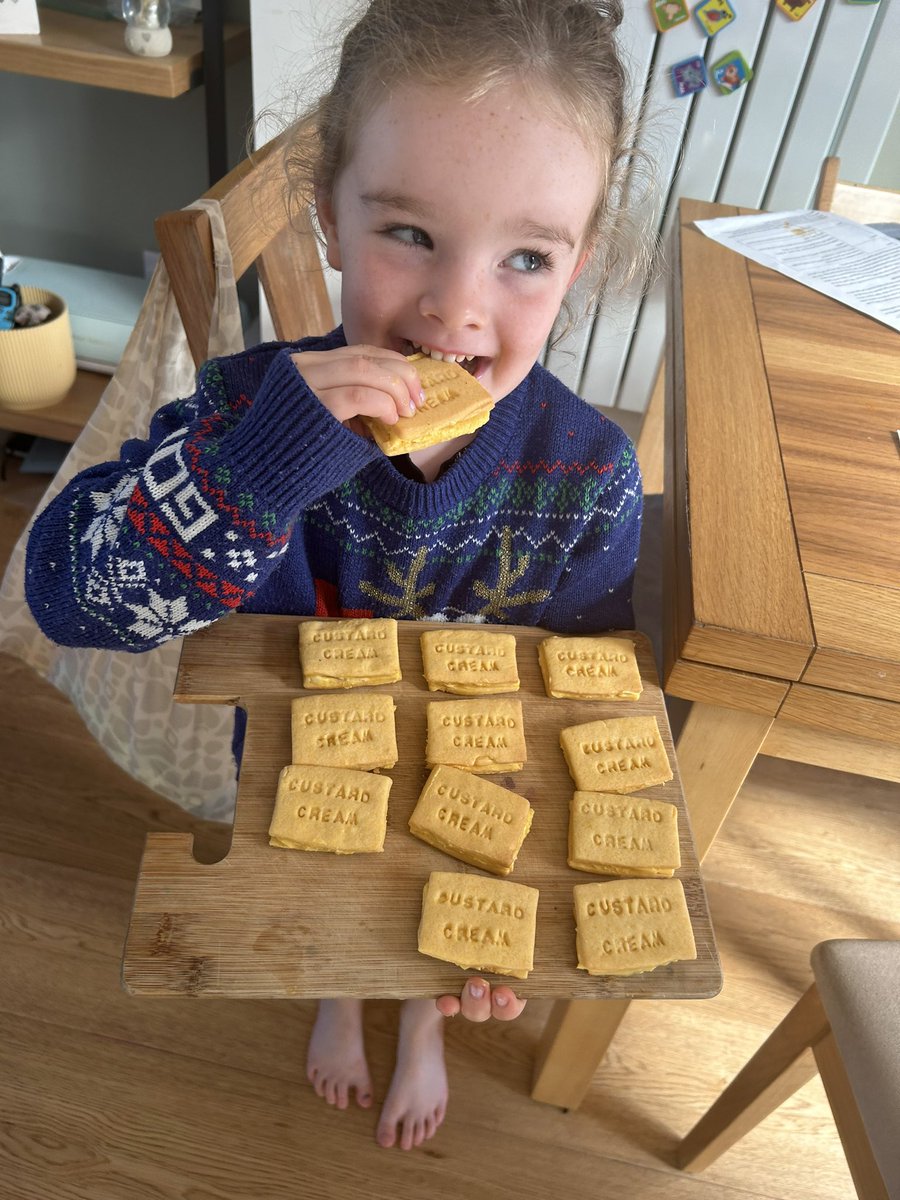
147, 27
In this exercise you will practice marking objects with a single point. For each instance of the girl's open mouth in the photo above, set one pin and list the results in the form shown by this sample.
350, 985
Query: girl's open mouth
474, 364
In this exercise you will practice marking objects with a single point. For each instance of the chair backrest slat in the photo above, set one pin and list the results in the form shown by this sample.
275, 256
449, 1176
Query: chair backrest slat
259, 230
858, 201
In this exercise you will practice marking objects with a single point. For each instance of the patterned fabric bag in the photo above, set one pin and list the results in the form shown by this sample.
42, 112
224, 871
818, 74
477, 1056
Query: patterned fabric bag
182, 751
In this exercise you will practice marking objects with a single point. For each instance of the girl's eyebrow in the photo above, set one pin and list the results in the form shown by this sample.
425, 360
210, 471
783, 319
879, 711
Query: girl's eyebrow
425, 212
549, 233
397, 200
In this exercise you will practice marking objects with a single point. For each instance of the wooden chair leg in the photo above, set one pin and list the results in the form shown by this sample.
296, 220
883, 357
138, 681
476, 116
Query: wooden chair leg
781, 1065
575, 1038
857, 1148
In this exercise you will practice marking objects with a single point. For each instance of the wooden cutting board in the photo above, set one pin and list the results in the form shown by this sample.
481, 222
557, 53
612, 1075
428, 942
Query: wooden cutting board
266, 922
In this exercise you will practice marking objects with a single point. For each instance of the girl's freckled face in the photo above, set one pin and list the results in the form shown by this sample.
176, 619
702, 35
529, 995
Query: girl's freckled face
460, 226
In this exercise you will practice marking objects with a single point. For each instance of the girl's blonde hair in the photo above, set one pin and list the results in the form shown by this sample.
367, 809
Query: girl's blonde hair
563, 51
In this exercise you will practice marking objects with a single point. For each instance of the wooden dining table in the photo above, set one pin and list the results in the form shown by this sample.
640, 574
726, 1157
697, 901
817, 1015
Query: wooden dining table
781, 524
276, 923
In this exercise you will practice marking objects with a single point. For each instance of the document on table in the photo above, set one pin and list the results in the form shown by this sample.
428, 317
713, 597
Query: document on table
852, 263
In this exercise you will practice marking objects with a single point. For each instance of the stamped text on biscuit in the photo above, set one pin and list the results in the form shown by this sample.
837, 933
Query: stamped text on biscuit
355, 725
469, 813
590, 664
480, 934
620, 753
467, 658
337, 804
480, 731
626, 906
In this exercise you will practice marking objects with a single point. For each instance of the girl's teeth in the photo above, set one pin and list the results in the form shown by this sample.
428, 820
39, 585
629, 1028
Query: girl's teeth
440, 357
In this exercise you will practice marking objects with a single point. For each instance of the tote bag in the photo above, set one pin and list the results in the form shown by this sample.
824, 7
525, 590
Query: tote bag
181, 751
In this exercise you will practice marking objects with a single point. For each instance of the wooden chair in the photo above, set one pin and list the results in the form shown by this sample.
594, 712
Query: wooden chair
259, 231
846, 1026
871, 205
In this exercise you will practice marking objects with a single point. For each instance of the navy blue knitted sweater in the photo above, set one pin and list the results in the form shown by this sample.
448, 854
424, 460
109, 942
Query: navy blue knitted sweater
250, 495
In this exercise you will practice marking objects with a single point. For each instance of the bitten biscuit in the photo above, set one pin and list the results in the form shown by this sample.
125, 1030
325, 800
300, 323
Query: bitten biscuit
344, 731
621, 755
484, 924
612, 836
469, 664
484, 736
330, 808
475, 821
349, 652
590, 668
455, 403
629, 926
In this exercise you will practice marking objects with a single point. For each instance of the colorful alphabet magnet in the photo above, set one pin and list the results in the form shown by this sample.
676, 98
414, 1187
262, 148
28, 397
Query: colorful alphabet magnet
795, 9
731, 72
668, 13
689, 76
714, 15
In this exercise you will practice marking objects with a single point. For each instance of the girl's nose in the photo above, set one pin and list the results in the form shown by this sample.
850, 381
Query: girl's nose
455, 298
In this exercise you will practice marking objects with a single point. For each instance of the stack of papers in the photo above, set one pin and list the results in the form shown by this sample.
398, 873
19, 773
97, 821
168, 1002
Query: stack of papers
855, 264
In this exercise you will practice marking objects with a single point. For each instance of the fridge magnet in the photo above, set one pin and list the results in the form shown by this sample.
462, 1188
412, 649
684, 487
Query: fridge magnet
795, 9
731, 72
689, 76
714, 15
668, 13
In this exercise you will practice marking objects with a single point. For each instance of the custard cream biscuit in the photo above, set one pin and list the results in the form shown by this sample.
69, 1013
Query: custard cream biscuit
472, 819
344, 731
469, 664
349, 652
455, 403
590, 668
615, 835
631, 925
478, 923
622, 755
330, 808
483, 736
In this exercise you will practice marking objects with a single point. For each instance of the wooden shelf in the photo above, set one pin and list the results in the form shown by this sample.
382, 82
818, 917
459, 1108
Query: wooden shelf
90, 51
65, 420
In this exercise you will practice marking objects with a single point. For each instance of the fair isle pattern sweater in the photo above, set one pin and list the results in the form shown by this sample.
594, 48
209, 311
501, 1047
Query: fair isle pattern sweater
249, 495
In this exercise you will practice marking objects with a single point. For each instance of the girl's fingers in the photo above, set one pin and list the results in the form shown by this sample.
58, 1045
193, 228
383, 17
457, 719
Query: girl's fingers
505, 1004
448, 1006
361, 380
478, 1001
475, 1000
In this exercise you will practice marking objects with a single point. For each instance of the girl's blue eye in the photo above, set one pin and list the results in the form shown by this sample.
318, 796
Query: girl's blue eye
410, 234
530, 261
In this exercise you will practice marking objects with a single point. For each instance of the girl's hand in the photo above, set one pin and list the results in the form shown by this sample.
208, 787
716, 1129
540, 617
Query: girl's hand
478, 1001
354, 381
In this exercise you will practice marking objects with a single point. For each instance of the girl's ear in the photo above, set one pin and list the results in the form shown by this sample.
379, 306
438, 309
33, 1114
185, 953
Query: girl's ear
581, 264
328, 222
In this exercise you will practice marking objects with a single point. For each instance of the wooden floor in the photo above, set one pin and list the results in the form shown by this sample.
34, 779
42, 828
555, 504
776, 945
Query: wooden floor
106, 1097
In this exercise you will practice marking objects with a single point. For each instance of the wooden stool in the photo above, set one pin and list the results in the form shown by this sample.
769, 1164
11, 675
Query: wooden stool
846, 1026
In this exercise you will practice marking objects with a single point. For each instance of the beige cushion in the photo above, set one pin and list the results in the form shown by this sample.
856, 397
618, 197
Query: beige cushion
859, 982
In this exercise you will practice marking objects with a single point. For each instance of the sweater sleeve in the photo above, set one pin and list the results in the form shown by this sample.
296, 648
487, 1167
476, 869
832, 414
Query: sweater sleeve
187, 524
594, 593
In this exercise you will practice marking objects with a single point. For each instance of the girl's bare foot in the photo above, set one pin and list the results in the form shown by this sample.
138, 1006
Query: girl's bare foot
417, 1097
336, 1060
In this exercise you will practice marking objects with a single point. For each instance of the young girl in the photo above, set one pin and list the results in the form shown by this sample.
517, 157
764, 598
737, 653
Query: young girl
465, 165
